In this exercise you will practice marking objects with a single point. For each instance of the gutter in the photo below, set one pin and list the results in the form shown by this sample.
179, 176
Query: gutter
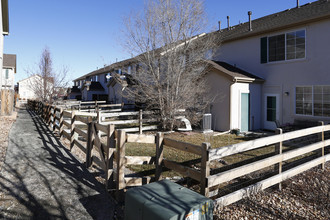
275, 29
247, 80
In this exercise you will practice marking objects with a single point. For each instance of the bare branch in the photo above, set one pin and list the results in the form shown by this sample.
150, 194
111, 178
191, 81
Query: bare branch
170, 48
46, 82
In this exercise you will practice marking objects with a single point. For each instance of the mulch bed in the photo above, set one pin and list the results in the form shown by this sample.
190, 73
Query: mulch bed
305, 196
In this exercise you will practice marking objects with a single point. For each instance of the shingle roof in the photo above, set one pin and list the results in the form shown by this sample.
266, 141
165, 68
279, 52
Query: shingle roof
9, 61
291, 17
129, 61
96, 86
108, 68
75, 89
234, 72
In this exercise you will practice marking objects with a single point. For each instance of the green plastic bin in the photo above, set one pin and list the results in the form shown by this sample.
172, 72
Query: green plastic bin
166, 200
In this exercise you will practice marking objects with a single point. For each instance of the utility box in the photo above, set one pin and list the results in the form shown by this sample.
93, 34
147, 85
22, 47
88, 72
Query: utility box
207, 123
166, 200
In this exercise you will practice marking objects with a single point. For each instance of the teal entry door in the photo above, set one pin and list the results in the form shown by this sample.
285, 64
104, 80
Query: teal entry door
245, 97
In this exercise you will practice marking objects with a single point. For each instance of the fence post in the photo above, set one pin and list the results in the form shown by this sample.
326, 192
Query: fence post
72, 129
205, 169
54, 119
159, 155
98, 113
110, 155
278, 150
61, 122
321, 138
90, 140
37, 107
7, 103
49, 115
120, 157
96, 106
40, 109
45, 112
140, 121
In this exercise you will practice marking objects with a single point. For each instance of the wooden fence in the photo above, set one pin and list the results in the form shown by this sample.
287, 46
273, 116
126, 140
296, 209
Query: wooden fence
133, 121
158, 160
76, 125
114, 150
7, 101
278, 159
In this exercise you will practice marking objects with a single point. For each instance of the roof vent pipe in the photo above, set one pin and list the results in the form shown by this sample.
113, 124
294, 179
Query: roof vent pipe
228, 23
219, 22
298, 4
250, 21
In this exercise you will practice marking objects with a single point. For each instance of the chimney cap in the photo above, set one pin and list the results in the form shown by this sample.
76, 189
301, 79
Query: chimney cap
249, 12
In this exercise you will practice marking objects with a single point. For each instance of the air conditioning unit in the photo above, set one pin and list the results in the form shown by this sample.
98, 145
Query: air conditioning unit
207, 123
165, 200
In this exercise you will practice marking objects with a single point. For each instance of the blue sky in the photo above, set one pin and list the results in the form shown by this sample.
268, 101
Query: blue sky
86, 34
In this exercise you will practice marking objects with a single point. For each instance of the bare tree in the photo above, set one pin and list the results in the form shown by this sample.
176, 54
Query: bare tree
45, 82
170, 47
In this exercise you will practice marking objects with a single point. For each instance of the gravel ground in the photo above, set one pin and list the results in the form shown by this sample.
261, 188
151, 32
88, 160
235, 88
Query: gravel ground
305, 196
40, 179
5, 125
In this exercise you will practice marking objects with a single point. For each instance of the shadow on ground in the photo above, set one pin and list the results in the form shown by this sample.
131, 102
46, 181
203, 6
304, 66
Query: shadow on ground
41, 179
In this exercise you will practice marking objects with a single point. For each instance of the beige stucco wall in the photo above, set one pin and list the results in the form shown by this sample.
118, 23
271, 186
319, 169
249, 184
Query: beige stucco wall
284, 76
220, 109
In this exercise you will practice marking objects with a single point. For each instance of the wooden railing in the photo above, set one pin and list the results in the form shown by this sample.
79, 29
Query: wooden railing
74, 125
122, 160
210, 184
198, 175
105, 151
278, 159
138, 121
159, 161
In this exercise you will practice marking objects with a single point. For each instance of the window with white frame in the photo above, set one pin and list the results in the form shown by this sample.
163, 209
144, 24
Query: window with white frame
304, 100
313, 100
287, 46
295, 45
322, 101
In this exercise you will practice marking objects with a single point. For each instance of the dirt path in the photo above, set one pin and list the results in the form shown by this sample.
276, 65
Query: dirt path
40, 179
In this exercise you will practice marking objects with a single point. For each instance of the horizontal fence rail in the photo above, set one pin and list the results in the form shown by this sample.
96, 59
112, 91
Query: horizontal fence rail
95, 131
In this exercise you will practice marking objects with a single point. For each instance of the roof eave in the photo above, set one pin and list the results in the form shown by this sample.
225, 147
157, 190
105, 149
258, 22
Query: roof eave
253, 34
5, 17
247, 80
